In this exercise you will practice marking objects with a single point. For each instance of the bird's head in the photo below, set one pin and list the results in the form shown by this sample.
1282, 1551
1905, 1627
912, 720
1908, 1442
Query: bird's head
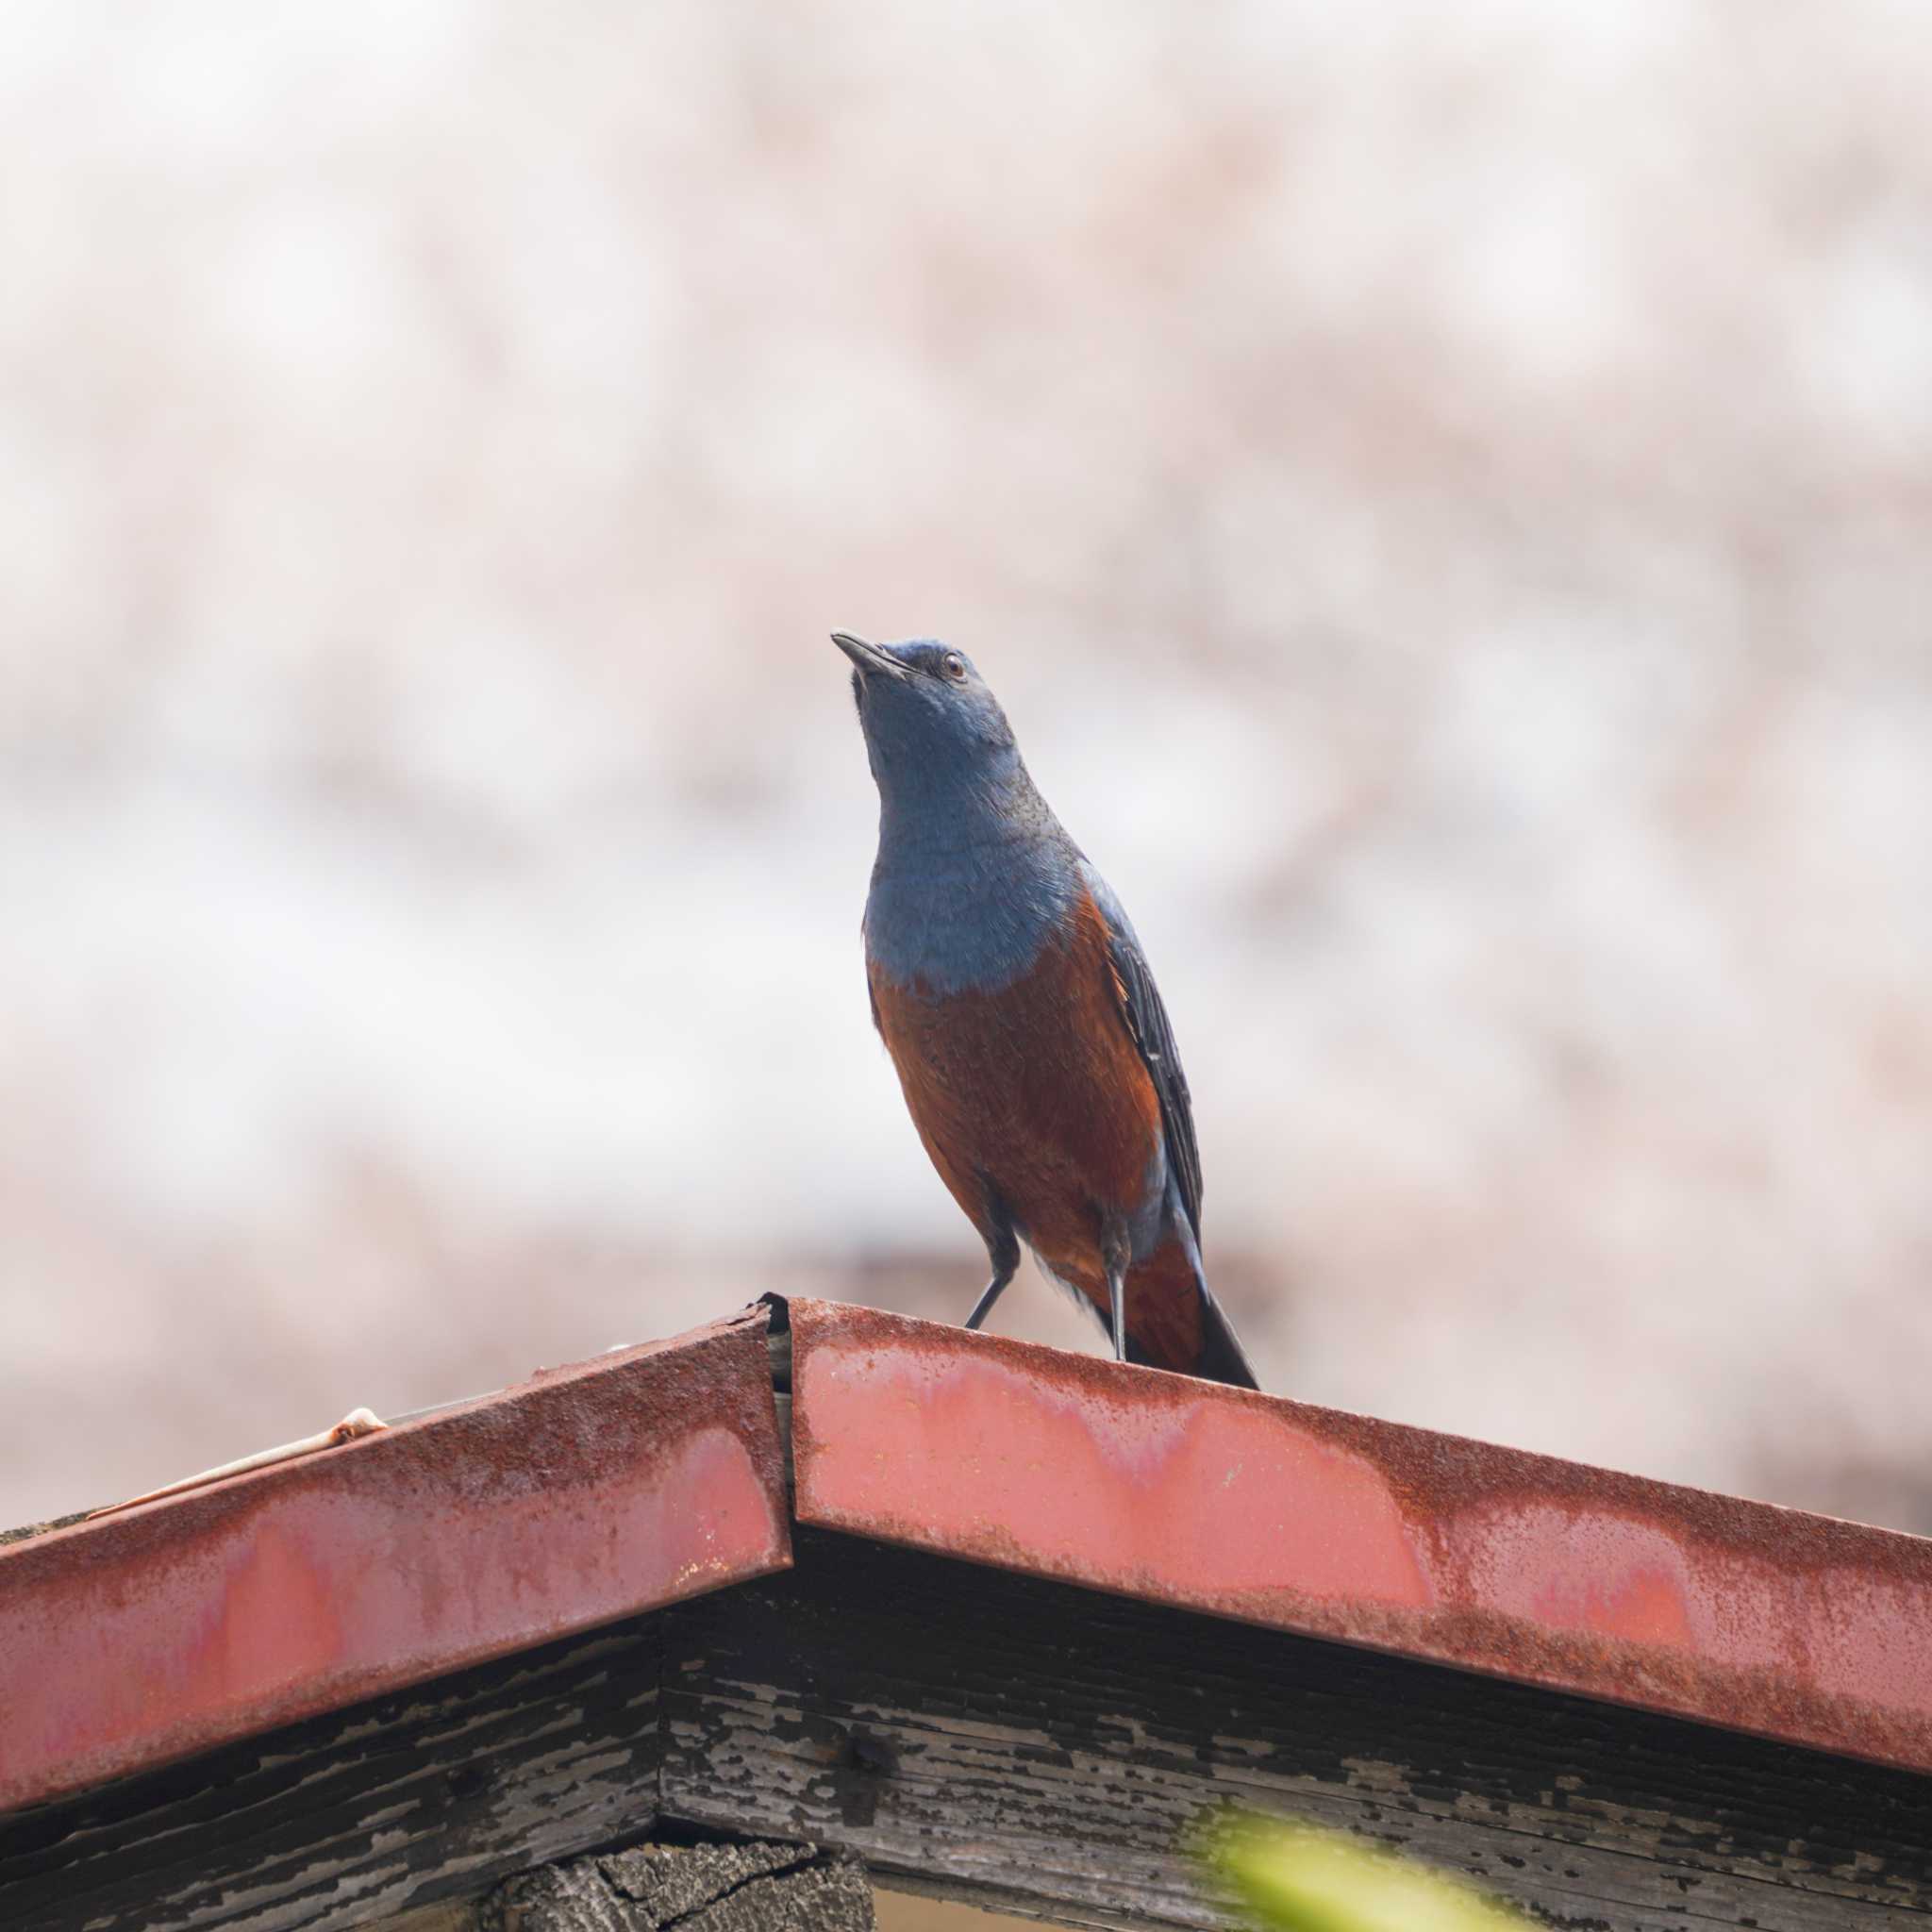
930, 722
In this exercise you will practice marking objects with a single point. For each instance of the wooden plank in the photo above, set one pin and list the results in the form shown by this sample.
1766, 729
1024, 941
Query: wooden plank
707, 1888
424, 1796
1046, 1749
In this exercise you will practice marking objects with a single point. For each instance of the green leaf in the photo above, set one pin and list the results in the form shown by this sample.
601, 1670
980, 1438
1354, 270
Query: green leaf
1298, 1878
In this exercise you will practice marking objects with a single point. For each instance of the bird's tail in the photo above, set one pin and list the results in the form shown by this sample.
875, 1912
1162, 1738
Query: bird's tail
1222, 1359
1174, 1320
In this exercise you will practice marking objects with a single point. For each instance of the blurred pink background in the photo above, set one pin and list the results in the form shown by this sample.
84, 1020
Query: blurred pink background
1443, 496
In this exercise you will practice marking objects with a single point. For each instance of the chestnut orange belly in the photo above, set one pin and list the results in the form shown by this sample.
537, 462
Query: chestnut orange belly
1036, 1107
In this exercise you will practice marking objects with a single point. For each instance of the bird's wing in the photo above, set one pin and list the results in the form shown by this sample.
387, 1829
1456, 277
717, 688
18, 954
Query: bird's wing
1147, 1021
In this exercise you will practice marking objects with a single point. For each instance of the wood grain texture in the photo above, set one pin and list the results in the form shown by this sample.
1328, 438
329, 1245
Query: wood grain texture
705, 1888
1029, 1746
371, 1813
1049, 1748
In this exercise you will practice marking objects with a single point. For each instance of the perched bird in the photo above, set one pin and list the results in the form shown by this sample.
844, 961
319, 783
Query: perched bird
1028, 1034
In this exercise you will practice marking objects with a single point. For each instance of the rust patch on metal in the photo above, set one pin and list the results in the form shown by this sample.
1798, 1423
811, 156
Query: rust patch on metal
1743, 1614
586, 1494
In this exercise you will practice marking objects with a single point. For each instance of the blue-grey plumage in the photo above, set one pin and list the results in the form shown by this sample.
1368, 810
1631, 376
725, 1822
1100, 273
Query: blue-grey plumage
1029, 1037
973, 871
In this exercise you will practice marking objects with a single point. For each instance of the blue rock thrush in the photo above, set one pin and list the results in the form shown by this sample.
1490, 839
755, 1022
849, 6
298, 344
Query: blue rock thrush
1028, 1034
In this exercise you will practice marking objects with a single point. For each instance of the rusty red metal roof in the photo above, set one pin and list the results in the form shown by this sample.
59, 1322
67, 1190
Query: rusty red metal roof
578, 1497
1771, 1620
651, 1474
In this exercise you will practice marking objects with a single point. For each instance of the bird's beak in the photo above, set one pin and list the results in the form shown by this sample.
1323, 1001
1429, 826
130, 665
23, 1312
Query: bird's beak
869, 658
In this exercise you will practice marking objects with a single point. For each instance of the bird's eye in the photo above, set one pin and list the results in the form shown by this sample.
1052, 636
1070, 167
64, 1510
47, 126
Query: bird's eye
954, 666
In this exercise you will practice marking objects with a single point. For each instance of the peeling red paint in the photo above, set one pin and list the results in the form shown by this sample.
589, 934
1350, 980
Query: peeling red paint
1741, 1614
583, 1496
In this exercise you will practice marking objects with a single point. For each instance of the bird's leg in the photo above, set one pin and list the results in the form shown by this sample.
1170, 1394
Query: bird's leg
1116, 1251
994, 1288
1003, 1250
